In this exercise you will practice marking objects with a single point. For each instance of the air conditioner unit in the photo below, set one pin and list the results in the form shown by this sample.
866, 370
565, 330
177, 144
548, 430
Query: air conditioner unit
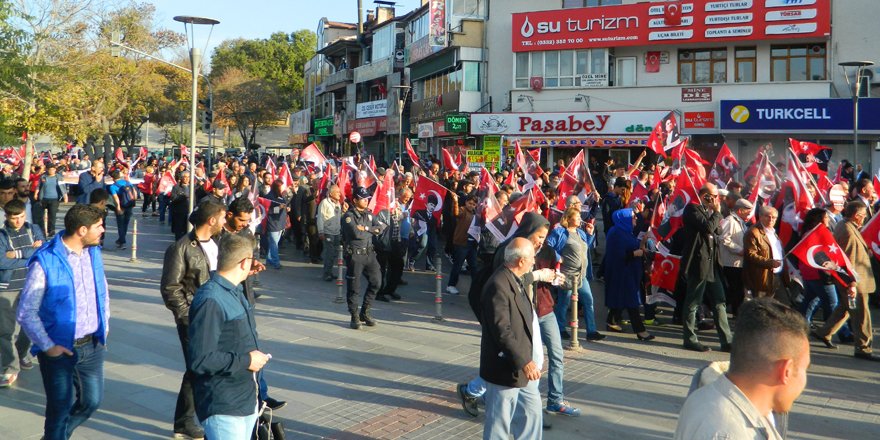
873, 74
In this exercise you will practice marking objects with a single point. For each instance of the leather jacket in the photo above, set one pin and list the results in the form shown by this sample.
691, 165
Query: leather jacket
184, 271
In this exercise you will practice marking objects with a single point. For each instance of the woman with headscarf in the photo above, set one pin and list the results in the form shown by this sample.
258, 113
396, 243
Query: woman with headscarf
623, 258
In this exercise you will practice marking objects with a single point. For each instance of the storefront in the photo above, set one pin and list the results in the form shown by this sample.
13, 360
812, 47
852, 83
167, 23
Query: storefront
620, 134
372, 124
429, 122
749, 124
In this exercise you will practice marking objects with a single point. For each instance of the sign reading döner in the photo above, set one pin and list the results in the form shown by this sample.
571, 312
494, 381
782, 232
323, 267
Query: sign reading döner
526, 124
642, 24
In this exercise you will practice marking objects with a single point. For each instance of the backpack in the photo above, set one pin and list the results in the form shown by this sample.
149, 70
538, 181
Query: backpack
127, 196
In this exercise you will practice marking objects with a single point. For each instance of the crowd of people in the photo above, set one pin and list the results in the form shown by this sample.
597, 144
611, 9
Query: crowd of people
526, 238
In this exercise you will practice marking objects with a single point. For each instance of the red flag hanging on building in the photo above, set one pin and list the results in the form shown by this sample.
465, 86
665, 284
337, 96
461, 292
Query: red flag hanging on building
429, 192
672, 13
411, 152
448, 162
819, 250
652, 62
664, 273
871, 234
665, 135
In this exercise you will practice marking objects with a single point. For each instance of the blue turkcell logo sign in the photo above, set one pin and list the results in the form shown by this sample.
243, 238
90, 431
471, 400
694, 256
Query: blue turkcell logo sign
793, 115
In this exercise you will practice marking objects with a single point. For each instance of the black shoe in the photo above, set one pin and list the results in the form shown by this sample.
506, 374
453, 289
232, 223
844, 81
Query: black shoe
383, 298
367, 319
275, 405
355, 322
866, 356
468, 403
705, 325
595, 337
192, 432
828, 344
725, 348
395, 296
846, 339
565, 335
697, 347
402, 283
650, 337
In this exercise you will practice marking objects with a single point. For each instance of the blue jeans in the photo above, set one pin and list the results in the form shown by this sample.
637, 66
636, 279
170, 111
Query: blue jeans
74, 388
463, 253
122, 221
426, 244
585, 298
816, 294
514, 411
272, 258
163, 206
551, 338
230, 427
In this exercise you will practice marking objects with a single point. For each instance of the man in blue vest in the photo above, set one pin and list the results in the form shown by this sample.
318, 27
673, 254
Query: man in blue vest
65, 310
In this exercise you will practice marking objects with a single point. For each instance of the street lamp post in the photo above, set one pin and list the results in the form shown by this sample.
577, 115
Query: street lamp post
401, 101
856, 86
195, 57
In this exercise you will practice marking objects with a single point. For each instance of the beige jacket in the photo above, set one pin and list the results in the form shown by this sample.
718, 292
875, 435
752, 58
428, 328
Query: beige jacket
730, 241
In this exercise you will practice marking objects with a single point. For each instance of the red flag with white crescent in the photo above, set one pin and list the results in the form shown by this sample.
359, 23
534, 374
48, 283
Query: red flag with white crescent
428, 191
448, 162
819, 250
166, 183
871, 234
664, 272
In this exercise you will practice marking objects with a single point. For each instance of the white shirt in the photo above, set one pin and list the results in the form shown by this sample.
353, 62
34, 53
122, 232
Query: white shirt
775, 247
537, 345
211, 251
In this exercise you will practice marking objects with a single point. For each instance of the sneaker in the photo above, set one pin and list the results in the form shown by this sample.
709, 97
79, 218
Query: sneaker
26, 363
468, 402
562, 408
452, 290
120, 246
652, 322
594, 337
7, 380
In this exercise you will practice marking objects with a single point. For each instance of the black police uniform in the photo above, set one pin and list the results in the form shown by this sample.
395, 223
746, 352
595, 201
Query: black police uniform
360, 259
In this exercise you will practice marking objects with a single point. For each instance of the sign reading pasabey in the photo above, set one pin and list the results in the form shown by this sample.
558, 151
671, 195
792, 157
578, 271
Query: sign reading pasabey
642, 24
528, 124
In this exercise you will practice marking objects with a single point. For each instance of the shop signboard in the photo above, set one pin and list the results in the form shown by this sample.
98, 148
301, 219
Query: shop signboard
434, 107
799, 115
696, 94
437, 22
323, 127
372, 109
491, 149
369, 126
700, 120
476, 159
583, 142
564, 124
457, 123
643, 24
300, 121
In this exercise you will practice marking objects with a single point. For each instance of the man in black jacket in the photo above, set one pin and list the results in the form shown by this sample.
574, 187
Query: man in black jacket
188, 265
701, 269
511, 355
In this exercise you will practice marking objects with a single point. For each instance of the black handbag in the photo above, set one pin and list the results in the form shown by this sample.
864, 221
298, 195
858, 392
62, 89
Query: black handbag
266, 429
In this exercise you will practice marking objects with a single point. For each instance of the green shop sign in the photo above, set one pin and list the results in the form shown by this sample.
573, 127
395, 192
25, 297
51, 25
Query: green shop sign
456, 123
323, 127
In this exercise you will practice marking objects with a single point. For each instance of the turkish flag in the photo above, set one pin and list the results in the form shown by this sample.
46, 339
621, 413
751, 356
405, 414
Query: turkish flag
143, 153
428, 191
725, 167
384, 198
819, 250
665, 135
672, 13
271, 169
411, 153
487, 184
312, 154
871, 234
684, 194
664, 273
639, 191
448, 162
652, 62
528, 165
184, 152
119, 157
166, 183
565, 189
284, 175
344, 178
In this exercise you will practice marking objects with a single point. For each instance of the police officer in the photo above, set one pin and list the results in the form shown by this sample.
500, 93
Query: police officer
358, 228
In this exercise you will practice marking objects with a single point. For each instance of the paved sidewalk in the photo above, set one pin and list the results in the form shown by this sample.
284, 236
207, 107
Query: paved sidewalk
398, 380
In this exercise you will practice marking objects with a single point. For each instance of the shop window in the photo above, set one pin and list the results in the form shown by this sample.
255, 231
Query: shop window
798, 63
703, 66
558, 68
746, 64
418, 28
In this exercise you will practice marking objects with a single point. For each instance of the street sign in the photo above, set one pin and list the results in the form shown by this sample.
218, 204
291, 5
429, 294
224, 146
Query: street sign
456, 123
323, 127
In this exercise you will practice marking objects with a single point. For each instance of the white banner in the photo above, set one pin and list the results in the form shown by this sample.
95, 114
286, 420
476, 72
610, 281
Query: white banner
372, 109
567, 124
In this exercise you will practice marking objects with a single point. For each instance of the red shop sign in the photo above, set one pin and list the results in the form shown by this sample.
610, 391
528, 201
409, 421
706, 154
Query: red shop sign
699, 119
368, 126
644, 24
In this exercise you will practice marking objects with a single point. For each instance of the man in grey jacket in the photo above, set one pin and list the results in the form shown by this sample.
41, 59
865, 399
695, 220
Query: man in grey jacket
329, 230
768, 371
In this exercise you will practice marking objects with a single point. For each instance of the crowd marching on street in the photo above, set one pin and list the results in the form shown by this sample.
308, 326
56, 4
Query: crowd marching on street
757, 253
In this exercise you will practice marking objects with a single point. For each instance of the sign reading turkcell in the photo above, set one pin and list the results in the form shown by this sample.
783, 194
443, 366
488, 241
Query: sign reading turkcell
456, 123
323, 127
799, 115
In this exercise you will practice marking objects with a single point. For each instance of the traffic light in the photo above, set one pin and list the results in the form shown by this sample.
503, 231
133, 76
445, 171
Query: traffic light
207, 115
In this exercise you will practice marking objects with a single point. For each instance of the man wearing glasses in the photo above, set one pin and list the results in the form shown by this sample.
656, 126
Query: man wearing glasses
700, 266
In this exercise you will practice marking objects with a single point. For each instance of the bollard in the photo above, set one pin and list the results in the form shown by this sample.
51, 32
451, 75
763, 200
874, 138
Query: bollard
438, 294
339, 279
134, 241
573, 343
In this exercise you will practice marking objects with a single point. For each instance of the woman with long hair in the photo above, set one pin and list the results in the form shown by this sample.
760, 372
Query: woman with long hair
275, 221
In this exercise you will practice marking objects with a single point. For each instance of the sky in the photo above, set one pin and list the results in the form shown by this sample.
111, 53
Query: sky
252, 19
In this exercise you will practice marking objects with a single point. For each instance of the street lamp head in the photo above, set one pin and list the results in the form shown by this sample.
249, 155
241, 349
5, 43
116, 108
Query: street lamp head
856, 64
196, 20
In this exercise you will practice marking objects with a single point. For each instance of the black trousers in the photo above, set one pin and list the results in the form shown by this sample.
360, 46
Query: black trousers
357, 266
391, 266
50, 208
615, 316
185, 410
734, 289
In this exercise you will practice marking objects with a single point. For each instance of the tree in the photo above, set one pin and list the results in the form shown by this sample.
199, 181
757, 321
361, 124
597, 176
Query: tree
278, 60
245, 103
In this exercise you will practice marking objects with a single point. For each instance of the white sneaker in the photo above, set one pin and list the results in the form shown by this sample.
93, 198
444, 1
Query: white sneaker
452, 290
7, 380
